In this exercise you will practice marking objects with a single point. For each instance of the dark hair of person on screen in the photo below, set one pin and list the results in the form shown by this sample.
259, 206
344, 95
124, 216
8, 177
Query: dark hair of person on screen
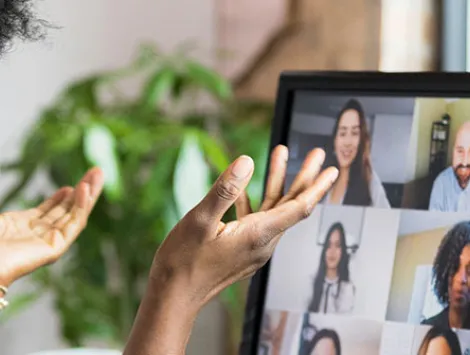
451, 279
332, 290
357, 184
440, 341
324, 342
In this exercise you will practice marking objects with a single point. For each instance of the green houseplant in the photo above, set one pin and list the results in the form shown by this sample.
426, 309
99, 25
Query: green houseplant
160, 151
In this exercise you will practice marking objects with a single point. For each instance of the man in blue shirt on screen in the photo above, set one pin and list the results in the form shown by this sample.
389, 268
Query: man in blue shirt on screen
451, 191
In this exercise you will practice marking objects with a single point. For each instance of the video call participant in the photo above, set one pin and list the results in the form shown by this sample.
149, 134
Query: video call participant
332, 290
324, 342
450, 191
357, 184
439, 341
451, 273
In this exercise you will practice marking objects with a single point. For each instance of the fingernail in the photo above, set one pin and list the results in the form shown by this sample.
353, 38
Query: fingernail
243, 167
334, 175
284, 152
95, 185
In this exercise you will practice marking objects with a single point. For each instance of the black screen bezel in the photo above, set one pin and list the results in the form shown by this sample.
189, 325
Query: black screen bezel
416, 84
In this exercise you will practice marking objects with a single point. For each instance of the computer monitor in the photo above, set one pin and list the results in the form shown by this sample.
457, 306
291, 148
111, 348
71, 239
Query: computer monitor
382, 265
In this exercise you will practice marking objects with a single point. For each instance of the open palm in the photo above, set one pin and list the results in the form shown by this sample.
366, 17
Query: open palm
39, 236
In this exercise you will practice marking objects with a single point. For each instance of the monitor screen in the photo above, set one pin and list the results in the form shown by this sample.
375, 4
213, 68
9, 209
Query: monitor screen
382, 265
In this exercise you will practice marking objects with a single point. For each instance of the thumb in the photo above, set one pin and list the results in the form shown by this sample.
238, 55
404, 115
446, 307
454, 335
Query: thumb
227, 188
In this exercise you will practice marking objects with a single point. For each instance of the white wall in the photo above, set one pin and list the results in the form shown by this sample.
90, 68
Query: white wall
378, 244
391, 134
410, 339
296, 261
95, 35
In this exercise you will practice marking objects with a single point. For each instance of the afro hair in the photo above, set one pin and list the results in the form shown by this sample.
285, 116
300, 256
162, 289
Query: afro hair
18, 20
447, 260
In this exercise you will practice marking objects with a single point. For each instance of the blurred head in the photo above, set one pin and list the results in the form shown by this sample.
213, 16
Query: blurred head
461, 155
451, 269
325, 342
17, 20
351, 152
440, 341
334, 257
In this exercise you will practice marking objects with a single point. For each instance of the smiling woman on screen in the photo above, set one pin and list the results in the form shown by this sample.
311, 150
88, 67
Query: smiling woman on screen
332, 290
357, 184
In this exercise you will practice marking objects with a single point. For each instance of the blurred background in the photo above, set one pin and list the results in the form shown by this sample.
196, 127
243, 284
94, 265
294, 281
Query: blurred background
162, 95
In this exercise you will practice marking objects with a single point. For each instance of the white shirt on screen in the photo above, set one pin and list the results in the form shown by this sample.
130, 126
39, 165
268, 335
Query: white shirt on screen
336, 299
447, 195
377, 193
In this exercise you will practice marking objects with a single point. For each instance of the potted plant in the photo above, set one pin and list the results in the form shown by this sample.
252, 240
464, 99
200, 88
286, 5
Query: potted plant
160, 151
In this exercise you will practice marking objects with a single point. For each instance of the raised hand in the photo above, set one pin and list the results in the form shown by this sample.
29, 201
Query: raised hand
210, 255
39, 236
202, 255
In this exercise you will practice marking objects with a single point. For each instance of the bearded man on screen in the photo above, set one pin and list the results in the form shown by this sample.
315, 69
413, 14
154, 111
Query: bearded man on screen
451, 191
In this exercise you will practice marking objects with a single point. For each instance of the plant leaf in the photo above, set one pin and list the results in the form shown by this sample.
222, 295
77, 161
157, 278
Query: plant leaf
191, 177
159, 85
214, 152
83, 93
100, 150
255, 187
209, 80
153, 196
170, 219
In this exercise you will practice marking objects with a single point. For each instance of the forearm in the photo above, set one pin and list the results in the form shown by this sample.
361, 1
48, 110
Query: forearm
164, 321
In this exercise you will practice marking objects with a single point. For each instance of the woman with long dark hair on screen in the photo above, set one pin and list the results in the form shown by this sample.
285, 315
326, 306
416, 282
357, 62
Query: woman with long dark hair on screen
332, 290
440, 341
357, 183
325, 342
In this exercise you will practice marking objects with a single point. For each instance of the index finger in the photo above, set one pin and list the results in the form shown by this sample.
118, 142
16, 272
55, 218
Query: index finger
75, 221
94, 178
282, 217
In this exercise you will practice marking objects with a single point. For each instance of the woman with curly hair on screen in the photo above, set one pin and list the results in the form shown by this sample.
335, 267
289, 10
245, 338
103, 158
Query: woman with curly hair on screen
332, 290
451, 276
358, 184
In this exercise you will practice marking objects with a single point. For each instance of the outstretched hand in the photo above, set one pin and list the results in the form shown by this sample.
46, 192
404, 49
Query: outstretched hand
208, 255
39, 236
202, 255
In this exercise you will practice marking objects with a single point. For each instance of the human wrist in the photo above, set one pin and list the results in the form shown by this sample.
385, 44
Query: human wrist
181, 286
164, 320
172, 293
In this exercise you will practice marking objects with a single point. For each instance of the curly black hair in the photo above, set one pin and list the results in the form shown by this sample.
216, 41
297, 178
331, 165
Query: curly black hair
18, 20
447, 260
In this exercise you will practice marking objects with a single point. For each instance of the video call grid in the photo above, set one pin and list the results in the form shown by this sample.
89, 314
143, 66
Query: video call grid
415, 222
